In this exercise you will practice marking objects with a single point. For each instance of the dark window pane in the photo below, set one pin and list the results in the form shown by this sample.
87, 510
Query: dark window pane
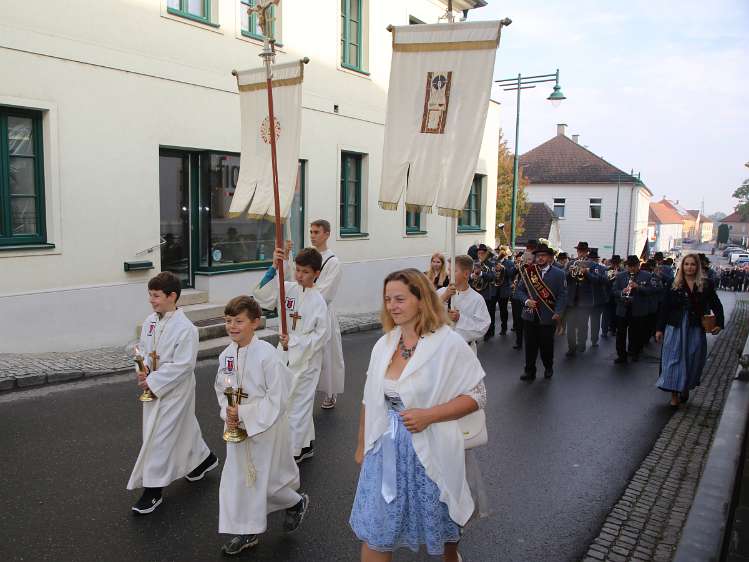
351, 216
20, 136
174, 175
22, 176
23, 215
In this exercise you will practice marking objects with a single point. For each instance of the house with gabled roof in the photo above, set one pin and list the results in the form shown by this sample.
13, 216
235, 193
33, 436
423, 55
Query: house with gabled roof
738, 228
667, 227
594, 200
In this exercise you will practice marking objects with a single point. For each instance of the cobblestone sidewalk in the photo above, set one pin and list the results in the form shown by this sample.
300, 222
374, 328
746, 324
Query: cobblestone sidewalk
646, 522
20, 370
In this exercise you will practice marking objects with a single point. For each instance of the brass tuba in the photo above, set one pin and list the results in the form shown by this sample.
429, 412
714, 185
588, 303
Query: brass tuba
479, 284
578, 269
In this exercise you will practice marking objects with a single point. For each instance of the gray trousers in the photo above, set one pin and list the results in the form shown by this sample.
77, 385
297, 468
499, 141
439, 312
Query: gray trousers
577, 328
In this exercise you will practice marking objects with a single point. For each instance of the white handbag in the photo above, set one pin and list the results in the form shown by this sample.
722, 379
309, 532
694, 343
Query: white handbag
474, 431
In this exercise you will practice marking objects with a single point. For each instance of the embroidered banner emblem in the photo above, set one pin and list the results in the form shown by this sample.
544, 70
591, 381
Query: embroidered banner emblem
265, 129
230, 363
436, 102
290, 302
151, 328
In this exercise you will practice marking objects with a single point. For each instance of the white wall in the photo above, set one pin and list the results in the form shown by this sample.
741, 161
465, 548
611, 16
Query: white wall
668, 235
599, 233
116, 80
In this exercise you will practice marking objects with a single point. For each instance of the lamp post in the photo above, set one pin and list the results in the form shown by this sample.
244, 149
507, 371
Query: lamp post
556, 97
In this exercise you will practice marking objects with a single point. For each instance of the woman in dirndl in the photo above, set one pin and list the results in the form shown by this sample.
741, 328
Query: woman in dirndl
691, 297
422, 378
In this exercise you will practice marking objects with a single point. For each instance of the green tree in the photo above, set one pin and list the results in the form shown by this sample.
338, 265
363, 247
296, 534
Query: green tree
723, 234
504, 194
742, 194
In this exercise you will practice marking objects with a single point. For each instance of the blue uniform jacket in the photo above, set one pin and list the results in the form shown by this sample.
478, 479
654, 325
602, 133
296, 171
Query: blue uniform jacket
505, 289
581, 293
555, 280
640, 303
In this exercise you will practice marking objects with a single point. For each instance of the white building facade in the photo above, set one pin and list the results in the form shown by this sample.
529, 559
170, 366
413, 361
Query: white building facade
594, 201
120, 127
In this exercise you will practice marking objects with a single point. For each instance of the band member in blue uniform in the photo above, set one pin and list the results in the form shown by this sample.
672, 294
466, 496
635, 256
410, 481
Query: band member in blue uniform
631, 290
504, 270
516, 304
543, 289
608, 325
600, 296
580, 281
562, 260
482, 281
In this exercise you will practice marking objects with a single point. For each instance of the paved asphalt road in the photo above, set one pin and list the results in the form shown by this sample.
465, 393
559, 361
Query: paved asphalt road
561, 453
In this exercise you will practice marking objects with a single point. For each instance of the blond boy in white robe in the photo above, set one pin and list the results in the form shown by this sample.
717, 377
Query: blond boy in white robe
259, 475
307, 322
173, 445
467, 308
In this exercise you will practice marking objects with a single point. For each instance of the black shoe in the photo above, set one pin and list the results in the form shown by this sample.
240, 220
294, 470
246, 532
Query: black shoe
307, 453
295, 515
620, 360
635, 357
503, 332
548, 373
210, 462
528, 377
517, 346
570, 353
238, 544
148, 502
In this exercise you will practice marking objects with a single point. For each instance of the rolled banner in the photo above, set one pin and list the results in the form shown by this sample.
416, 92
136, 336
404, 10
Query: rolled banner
254, 192
440, 82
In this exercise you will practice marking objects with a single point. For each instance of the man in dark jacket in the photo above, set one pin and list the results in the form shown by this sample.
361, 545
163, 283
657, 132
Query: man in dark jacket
543, 291
504, 273
580, 281
600, 296
632, 289
482, 281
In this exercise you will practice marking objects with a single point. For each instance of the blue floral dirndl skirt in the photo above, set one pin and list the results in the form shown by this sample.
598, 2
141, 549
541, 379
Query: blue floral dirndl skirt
415, 516
683, 356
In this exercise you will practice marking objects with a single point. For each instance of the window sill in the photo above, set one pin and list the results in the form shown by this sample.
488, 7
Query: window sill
353, 70
196, 21
25, 247
416, 233
353, 235
257, 38
233, 268
470, 229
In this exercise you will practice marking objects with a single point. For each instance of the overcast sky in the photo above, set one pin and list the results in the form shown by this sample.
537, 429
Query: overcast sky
660, 86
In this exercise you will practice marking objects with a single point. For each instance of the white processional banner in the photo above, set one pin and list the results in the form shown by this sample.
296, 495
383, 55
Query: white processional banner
254, 193
440, 81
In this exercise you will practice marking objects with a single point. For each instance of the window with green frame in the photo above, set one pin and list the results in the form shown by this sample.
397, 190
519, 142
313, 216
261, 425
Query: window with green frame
351, 193
198, 10
413, 223
352, 33
250, 24
470, 220
22, 214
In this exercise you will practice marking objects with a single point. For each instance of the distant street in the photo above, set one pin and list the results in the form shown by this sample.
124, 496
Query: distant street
560, 453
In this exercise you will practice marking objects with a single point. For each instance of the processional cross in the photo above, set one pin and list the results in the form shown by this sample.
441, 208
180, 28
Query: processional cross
264, 19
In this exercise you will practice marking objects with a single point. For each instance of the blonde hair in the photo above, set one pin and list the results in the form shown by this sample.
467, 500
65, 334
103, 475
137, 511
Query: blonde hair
680, 279
431, 315
443, 270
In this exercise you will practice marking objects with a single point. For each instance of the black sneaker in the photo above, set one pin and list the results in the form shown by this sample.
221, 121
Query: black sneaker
620, 360
295, 515
570, 353
307, 453
548, 373
148, 502
208, 464
528, 376
238, 544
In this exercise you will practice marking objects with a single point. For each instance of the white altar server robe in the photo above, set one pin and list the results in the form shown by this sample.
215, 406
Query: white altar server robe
442, 368
304, 357
172, 442
333, 371
243, 504
474, 318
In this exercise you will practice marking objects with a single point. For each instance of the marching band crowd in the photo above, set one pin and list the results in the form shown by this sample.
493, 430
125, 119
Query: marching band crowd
424, 393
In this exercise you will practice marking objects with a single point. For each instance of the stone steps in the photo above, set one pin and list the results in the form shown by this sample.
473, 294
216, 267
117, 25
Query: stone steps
211, 348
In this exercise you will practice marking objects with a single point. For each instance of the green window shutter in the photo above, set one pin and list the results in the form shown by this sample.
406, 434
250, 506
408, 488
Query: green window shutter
22, 212
470, 219
352, 21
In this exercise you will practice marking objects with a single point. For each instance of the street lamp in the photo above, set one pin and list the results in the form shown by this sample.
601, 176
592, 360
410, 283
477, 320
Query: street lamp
556, 97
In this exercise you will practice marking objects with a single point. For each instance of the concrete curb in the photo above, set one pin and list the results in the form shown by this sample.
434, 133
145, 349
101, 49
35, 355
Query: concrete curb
704, 534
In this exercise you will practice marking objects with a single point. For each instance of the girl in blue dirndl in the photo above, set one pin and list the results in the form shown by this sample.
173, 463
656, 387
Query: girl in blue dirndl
422, 378
684, 351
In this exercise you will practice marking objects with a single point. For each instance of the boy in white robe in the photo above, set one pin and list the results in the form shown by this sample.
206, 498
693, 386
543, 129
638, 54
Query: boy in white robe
467, 308
307, 321
260, 475
333, 371
173, 445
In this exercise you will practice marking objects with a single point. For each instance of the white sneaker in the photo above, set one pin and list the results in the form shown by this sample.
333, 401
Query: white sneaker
329, 402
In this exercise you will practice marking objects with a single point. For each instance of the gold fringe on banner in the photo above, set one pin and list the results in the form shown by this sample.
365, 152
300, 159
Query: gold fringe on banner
450, 213
411, 208
269, 218
276, 84
388, 206
446, 46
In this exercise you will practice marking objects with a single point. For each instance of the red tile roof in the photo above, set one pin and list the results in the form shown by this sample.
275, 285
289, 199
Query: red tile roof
735, 217
562, 160
664, 213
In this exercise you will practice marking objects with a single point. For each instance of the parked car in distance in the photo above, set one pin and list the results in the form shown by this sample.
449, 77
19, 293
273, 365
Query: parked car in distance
737, 256
741, 261
731, 249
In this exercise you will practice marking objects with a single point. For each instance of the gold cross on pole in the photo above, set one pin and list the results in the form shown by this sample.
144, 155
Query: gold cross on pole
295, 316
264, 19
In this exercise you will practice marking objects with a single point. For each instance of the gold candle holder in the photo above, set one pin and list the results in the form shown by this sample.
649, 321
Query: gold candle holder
234, 398
134, 352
